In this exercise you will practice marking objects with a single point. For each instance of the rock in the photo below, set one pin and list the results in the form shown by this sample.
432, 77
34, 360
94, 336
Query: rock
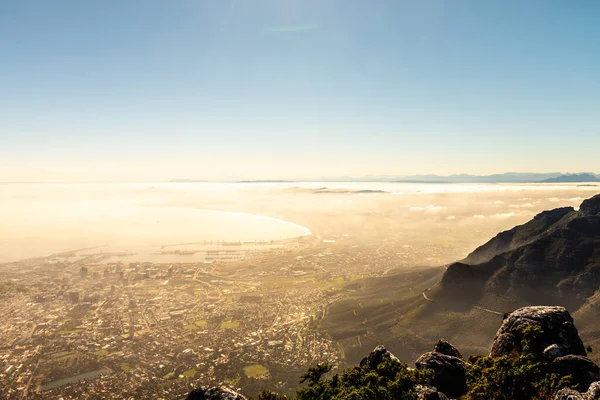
376, 357
425, 392
196, 394
583, 370
450, 372
215, 393
554, 351
445, 347
593, 392
569, 394
590, 207
556, 323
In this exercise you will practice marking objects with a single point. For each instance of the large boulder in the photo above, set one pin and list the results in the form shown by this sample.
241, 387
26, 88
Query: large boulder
445, 347
450, 372
376, 357
215, 393
425, 392
555, 322
593, 393
583, 370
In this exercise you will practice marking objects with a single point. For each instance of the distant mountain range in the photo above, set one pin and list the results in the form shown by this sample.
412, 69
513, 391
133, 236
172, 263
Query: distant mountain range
507, 177
585, 177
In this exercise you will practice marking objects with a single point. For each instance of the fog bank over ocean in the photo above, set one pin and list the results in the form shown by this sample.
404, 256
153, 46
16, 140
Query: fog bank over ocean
42, 219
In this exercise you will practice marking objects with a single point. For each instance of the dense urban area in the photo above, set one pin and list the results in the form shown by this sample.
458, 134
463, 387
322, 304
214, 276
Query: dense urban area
84, 324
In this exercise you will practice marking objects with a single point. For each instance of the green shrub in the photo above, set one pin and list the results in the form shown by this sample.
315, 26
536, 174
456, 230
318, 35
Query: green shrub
391, 381
523, 375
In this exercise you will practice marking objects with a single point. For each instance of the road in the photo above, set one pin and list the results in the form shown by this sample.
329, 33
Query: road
425, 296
489, 311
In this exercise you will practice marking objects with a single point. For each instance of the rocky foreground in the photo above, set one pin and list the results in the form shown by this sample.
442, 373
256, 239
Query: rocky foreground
533, 343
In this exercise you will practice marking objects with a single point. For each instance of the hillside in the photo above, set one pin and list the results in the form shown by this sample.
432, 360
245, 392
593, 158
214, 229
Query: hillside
552, 259
536, 354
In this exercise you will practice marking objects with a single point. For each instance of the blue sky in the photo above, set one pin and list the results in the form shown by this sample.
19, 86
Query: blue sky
152, 90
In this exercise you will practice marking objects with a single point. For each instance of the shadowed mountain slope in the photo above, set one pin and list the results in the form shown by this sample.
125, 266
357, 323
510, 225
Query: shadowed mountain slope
552, 259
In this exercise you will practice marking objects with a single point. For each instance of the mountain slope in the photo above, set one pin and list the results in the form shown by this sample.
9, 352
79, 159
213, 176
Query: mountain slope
519, 235
552, 259
555, 257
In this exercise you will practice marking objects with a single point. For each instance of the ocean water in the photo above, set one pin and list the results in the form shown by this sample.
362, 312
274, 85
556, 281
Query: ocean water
141, 219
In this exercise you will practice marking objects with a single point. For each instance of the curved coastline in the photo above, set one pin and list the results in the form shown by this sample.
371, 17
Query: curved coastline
307, 231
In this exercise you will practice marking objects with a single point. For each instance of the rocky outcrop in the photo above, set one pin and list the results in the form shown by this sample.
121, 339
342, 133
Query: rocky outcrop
215, 393
590, 207
445, 347
425, 392
593, 393
556, 326
583, 370
569, 394
450, 373
377, 356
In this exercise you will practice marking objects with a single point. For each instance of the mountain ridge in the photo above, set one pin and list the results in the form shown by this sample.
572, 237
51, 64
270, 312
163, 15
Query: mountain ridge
552, 259
557, 252
573, 178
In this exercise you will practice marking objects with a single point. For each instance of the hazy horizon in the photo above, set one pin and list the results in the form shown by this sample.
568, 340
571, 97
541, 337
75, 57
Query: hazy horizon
389, 177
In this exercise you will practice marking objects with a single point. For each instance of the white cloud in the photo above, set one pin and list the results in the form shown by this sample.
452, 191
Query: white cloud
504, 215
526, 205
479, 216
498, 202
554, 199
451, 217
430, 207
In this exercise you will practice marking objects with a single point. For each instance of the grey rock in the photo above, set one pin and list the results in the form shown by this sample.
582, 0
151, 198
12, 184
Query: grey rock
377, 356
583, 370
554, 351
556, 323
450, 372
593, 392
569, 394
445, 347
425, 392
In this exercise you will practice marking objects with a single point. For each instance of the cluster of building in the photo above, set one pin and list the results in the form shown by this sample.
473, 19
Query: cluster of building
84, 326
